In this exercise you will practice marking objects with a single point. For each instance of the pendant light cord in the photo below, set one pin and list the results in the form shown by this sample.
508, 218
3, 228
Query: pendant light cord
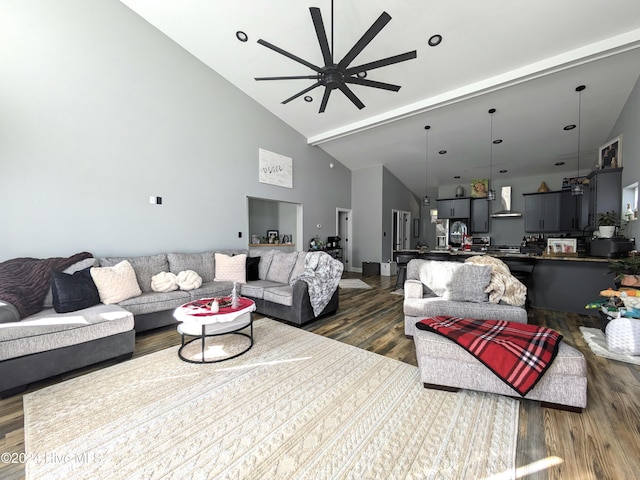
579, 126
331, 31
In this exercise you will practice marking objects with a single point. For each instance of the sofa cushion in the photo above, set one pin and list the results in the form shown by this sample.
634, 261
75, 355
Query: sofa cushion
281, 295
231, 269
8, 313
164, 282
48, 330
201, 263
72, 292
188, 280
116, 283
211, 289
155, 302
256, 288
266, 256
298, 268
281, 267
144, 267
253, 268
468, 284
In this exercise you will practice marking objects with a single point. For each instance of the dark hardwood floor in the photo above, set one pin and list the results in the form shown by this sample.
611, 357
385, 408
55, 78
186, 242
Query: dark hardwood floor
603, 442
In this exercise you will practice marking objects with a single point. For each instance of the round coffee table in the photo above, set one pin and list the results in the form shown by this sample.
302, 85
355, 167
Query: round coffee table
198, 321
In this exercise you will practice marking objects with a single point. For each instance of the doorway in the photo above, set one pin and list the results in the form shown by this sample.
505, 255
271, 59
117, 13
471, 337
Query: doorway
401, 231
343, 230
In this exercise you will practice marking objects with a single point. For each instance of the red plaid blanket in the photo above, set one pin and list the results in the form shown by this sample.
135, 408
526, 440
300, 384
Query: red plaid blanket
517, 353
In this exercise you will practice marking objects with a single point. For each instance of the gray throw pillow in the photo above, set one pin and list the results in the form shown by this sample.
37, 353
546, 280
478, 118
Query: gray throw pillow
281, 267
8, 313
468, 284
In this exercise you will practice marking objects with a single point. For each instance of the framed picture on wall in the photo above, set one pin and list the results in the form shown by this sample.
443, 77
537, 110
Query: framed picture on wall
273, 236
610, 154
479, 187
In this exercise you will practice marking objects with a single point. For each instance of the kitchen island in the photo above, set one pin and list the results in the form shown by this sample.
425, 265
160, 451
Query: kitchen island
557, 283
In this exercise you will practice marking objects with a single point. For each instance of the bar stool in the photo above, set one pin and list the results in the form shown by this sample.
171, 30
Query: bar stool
402, 260
522, 268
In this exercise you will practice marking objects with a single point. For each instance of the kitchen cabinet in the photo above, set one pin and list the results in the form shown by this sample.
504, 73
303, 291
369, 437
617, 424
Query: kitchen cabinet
605, 192
542, 212
574, 211
479, 215
454, 208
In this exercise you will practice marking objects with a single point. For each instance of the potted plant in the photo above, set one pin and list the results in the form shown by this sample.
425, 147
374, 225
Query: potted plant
607, 223
626, 271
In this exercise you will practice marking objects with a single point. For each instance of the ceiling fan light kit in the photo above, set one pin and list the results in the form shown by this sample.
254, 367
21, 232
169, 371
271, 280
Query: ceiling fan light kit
337, 76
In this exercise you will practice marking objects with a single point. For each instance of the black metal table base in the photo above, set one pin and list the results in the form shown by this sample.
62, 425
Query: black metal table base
204, 336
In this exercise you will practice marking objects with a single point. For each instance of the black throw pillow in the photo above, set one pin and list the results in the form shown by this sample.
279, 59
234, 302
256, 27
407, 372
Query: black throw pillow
252, 268
73, 292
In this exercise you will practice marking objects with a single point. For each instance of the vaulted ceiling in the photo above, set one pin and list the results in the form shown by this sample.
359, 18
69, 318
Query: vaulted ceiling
524, 59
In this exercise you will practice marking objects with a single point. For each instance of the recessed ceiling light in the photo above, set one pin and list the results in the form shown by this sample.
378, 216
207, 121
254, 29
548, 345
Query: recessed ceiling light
240, 35
457, 177
308, 98
558, 164
569, 127
497, 141
361, 74
435, 40
442, 152
503, 171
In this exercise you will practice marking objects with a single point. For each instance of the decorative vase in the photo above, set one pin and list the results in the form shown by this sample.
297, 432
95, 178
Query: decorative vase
459, 191
543, 187
235, 301
606, 231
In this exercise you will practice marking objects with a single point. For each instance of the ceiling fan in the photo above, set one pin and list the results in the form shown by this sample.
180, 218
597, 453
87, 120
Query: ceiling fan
337, 75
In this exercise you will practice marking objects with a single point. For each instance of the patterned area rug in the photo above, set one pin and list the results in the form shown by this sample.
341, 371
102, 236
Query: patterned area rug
597, 341
297, 405
353, 283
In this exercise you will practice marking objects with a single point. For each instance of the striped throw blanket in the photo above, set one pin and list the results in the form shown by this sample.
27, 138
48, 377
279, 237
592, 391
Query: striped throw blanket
517, 353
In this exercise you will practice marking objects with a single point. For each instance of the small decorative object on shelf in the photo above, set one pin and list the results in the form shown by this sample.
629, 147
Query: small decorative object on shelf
234, 296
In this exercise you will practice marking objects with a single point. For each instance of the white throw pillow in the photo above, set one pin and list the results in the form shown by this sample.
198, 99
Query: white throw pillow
116, 283
231, 269
164, 282
189, 280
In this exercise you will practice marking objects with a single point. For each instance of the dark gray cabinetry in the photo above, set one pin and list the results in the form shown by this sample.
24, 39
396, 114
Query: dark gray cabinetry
605, 192
479, 215
454, 208
574, 211
542, 212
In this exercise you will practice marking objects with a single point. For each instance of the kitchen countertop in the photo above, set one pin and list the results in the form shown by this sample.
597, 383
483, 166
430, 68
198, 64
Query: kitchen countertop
511, 255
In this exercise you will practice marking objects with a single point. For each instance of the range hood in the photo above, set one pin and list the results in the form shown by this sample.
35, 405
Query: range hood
505, 204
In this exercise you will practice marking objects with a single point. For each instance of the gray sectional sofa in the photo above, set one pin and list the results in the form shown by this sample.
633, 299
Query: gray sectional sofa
48, 343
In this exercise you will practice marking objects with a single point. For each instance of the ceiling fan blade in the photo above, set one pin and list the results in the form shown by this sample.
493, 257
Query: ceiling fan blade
372, 83
369, 35
351, 96
289, 55
325, 99
317, 84
293, 77
316, 16
403, 57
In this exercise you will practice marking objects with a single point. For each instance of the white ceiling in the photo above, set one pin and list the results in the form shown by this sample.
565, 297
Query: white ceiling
522, 58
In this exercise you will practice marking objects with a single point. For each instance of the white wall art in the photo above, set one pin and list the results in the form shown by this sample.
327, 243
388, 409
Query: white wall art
275, 169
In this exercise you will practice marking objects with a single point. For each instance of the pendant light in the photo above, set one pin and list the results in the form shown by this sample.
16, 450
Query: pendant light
426, 201
578, 189
491, 194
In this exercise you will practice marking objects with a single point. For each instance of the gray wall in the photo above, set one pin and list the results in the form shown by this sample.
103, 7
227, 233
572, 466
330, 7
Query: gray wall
100, 111
628, 125
395, 196
366, 201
